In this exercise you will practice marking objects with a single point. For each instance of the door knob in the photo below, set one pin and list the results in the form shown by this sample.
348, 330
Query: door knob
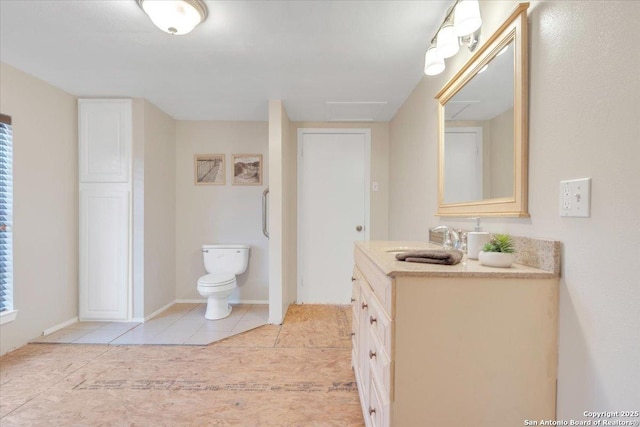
359, 228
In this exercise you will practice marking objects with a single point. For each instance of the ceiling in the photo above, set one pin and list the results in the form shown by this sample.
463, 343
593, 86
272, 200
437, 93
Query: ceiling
313, 55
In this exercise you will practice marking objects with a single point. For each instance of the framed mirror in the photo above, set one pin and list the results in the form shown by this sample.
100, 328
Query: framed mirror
483, 128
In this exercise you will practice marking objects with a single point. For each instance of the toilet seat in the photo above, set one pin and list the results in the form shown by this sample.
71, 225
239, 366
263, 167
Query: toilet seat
216, 279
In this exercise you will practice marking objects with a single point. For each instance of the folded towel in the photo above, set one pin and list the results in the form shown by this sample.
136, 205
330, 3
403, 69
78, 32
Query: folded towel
432, 256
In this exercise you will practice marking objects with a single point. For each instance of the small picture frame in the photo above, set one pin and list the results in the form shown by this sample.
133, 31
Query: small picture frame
247, 169
209, 169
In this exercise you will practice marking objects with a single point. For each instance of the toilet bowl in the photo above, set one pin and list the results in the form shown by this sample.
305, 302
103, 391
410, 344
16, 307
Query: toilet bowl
223, 263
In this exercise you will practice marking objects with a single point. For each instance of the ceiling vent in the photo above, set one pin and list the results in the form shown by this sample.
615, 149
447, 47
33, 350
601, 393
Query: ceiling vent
354, 111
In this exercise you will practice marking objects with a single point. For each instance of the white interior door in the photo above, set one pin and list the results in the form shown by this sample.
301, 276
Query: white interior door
463, 165
333, 211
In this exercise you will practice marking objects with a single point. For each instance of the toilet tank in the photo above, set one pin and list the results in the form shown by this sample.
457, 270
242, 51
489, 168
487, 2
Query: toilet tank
228, 258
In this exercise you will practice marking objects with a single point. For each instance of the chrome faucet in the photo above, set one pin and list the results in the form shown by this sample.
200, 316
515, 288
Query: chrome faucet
450, 237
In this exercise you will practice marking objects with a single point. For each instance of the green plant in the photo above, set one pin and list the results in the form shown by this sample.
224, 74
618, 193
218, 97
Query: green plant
500, 243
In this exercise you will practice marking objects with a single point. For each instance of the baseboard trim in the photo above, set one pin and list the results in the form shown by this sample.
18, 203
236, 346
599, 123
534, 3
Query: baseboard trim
249, 301
232, 301
191, 301
60, 326
154, 314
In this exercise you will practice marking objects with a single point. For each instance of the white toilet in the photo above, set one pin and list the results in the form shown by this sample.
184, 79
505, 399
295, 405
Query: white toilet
223, 263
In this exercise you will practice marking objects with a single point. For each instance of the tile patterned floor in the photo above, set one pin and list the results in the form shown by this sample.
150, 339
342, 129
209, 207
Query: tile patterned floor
181, 324
297, 374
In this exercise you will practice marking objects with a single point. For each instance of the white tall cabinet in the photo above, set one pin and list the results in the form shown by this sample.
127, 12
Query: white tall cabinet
105, 146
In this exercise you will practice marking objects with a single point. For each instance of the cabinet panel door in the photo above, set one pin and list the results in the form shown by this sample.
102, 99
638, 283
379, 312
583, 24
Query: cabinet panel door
104, 254
105, 139
363, 342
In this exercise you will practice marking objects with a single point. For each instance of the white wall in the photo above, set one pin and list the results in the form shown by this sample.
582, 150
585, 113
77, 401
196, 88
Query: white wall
45, 237
208, 214
584, 113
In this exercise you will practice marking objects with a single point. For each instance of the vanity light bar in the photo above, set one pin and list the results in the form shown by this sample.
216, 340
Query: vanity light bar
461, 25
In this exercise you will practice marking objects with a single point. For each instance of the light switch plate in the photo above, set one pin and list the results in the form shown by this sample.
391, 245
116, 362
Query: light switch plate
375, 186
575, 198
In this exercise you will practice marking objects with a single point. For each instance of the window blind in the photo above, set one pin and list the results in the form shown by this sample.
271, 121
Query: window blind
6, 214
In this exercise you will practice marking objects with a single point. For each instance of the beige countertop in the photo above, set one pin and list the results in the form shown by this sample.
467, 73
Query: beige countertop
383, 254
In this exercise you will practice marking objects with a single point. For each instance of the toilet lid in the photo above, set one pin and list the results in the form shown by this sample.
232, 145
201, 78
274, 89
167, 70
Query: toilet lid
217, 279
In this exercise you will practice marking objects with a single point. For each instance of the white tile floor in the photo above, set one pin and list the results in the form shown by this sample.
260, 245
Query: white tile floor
180, 324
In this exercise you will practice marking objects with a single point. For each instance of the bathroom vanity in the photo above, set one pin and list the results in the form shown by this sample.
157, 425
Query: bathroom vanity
450, 346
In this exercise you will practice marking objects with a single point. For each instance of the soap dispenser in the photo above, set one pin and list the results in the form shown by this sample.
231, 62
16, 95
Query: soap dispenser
476, 240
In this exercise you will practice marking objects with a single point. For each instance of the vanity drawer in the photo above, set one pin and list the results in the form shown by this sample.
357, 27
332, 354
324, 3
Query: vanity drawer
379, 364
379, 323
378, 409
379, 282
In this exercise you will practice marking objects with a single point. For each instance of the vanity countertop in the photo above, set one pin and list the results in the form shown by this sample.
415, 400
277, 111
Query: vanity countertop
383, 254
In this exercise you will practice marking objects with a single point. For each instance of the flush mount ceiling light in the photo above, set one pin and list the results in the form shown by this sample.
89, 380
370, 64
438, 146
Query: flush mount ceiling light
460, 26
176, 17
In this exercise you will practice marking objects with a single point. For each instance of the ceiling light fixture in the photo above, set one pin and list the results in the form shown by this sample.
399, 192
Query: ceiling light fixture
460, 26
433, 63
176, 17
446, 40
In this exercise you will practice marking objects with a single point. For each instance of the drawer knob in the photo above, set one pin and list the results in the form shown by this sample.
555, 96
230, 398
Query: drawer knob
352, 299
353, 334
353, 279
372, 410
372, 320
364, 305
372, 354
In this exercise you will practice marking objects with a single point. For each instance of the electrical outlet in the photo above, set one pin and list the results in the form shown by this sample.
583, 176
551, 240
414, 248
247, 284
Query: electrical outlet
575, 198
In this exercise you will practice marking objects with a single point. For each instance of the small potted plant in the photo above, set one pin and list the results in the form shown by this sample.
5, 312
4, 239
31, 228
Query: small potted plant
498, 252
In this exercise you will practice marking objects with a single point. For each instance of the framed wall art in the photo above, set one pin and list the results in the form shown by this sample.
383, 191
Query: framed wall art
209, 169
247, 169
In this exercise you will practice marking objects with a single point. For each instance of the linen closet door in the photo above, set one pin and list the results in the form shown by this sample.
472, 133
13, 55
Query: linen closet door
105, 209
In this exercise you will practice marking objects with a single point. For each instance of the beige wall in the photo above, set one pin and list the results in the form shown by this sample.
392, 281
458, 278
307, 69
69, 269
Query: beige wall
379, 201
211, 214
501, 155
160, 209
282, 214
45, 237
583, 123
137, 207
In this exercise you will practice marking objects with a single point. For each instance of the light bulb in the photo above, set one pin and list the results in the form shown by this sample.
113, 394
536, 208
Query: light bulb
466, 18
447, 42
433, 63
174, 16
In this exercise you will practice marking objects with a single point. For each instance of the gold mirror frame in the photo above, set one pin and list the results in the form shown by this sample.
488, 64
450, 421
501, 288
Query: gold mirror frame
514, 29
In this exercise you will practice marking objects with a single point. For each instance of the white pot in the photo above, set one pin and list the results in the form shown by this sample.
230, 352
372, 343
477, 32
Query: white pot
495, 259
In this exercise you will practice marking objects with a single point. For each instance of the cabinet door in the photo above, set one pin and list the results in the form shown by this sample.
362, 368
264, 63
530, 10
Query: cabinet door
363, 340
104, 254
355, 318
104, 133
